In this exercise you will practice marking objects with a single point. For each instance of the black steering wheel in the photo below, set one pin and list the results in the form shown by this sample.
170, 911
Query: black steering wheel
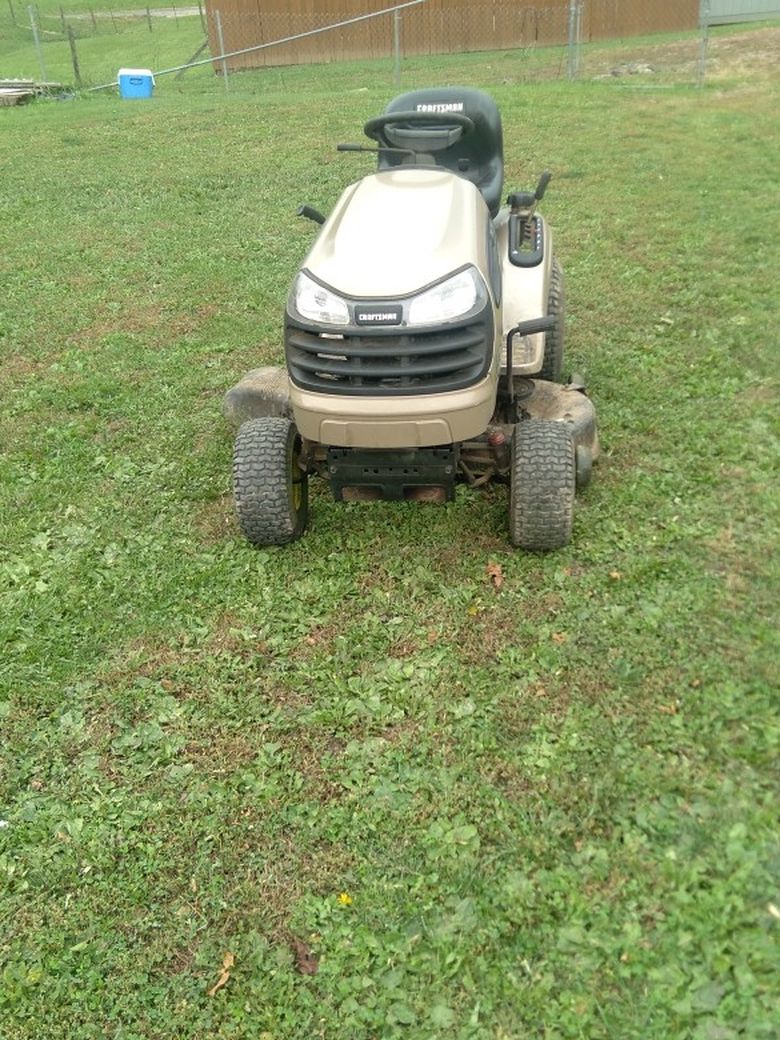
434, 131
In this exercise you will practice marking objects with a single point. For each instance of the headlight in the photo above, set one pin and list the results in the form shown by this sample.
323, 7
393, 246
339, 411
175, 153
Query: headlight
445, 301
315, 302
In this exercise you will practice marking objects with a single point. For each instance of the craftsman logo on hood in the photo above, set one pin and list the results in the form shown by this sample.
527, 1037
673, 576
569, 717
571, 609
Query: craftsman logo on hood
441, 106
378, 315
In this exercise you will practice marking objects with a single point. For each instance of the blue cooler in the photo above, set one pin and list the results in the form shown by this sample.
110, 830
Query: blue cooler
135, 83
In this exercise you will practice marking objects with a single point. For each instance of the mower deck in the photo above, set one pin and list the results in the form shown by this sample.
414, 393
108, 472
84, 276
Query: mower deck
266, 392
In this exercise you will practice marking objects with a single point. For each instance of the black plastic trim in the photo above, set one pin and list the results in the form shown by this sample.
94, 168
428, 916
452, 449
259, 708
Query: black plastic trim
525, 257
391, 361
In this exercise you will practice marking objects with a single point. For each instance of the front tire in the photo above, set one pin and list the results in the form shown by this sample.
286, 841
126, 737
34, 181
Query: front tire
543, 481
270, 489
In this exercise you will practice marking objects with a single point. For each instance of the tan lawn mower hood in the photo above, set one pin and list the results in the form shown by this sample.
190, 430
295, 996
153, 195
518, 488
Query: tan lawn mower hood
395, 232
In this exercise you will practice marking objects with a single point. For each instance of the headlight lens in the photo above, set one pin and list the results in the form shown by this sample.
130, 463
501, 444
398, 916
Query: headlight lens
315, 302
445, 301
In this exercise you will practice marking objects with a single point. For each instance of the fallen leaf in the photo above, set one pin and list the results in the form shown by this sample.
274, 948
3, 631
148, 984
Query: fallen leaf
227, 963
559, 637
496, 574
306, 961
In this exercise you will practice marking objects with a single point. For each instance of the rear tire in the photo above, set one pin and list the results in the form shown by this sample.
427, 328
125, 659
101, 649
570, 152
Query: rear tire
270, 489
552, 365
543, 481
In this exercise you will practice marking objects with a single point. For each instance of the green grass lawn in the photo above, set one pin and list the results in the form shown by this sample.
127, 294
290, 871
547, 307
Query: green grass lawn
386, 797
102, 48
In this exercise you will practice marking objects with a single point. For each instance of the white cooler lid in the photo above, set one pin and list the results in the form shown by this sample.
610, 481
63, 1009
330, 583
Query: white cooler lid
134, 72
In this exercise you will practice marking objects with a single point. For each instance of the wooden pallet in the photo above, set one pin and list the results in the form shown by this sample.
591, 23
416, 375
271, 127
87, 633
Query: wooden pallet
17, 91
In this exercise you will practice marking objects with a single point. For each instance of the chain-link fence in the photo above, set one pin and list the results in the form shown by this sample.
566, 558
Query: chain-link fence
661, 41
86, 45
658, 41
439, 26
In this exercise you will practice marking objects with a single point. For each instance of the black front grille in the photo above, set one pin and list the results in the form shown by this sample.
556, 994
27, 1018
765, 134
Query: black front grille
397, 362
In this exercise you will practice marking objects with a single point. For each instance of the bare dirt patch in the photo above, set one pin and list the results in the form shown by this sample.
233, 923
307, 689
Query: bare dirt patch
155, 322
750, 54
742, 54
17, 368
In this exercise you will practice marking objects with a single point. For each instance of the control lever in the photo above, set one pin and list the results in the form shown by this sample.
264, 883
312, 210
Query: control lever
310, 213
541, 187
526, 242
525, 201
368, 148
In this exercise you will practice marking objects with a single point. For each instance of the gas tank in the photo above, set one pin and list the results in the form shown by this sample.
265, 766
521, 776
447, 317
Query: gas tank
397, 231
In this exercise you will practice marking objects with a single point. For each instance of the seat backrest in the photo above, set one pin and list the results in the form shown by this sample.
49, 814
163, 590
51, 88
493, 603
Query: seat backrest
478, 156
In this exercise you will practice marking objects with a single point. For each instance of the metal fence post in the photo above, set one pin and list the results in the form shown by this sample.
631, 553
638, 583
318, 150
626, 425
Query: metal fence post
221, 42
74, 55
704, 26
34, 27
571, 63
397, 47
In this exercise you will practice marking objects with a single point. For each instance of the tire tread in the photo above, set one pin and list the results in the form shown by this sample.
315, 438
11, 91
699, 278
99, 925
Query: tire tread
543, 485
552, 365
261, 459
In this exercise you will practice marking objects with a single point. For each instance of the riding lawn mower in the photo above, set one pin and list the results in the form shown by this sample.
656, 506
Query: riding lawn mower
424, 338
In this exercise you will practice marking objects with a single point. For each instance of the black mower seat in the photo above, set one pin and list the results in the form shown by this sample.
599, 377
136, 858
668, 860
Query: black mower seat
479, 155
